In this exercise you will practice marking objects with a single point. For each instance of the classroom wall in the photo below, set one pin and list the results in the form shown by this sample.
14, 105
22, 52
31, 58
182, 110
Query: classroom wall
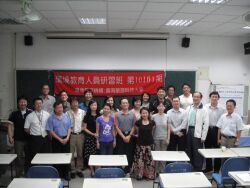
220, 60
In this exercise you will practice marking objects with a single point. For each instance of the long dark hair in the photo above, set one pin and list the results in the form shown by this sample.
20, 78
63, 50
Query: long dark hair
145, 108
89, 109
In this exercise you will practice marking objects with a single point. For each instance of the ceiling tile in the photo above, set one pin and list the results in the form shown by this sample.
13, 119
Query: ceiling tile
65, 23
17, 28
126, 6
239, 2
42, 25
227, 27
193, 17
90, 14
155, 15
163, 7
121, 23
149, 24
200, 27
10, 5
121, 14
51, 5
199, 8
57, 14
88, 5
218, 18
232, 10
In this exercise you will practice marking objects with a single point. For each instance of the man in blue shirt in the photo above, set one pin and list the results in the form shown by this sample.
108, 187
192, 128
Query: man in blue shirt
59, 126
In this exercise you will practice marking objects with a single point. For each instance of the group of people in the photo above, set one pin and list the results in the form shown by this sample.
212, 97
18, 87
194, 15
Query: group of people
168, 122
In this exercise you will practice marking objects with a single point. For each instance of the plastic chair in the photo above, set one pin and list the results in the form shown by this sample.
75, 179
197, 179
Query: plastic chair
232, 164
176, 167
43, 172
244, 141
109, 173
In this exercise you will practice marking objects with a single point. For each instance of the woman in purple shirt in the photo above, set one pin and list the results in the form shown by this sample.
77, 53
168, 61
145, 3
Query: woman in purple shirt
105, 132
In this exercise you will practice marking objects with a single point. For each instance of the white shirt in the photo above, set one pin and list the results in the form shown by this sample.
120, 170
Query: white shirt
48, 103
177, 120
186, 101
230, 124
76, 119
214, 113
36, 122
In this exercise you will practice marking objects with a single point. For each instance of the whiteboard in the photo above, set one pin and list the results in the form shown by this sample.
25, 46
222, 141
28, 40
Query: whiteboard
237, 92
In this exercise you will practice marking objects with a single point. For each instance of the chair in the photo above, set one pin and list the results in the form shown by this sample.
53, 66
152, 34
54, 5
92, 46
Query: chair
176, 167
43, 172
231, 164
244, 141
109, 173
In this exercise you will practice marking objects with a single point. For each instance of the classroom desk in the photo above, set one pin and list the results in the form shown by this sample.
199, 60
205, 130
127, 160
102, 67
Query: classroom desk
108, 160
52, 158
184, 180
107, 183
169, 156
34, 183
241, 182
217, 153
242, 152
7, 159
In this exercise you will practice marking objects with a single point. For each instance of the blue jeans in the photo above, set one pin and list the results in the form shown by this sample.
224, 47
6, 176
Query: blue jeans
106, 148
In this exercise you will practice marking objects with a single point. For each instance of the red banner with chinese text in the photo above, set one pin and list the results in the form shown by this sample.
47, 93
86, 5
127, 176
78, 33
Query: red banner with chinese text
108, 83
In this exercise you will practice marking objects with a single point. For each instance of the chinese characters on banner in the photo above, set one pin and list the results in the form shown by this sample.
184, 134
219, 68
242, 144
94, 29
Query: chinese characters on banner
108, 83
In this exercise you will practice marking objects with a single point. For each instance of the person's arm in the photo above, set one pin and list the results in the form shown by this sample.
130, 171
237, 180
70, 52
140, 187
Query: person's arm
10, 133
118, 130
97, 135
114, 136
219, 136
27, 124
237, 141
54, 135
168, 135
85, 129
205, 126
239, 127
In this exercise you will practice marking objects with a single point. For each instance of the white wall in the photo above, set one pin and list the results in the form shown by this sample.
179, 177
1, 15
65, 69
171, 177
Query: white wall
222, 57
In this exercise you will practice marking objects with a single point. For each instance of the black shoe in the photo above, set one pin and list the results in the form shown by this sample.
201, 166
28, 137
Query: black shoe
80, 174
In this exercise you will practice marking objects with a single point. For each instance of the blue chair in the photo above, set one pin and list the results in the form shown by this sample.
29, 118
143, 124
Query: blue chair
231, 164
244, 141
43, 172
109, 173
176, 167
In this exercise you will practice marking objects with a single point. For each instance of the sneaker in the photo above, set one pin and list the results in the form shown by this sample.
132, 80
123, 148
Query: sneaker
73, 175
79, 174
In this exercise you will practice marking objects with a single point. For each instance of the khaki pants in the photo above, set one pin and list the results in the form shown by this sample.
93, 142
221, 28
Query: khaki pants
228, 142
76, 145
160, 145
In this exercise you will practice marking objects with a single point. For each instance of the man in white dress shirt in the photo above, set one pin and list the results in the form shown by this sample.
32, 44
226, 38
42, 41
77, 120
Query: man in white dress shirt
215, 110
230, 125
35, 125
76, 139
186, 98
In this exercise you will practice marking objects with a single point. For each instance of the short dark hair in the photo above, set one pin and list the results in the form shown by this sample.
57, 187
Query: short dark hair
72, 99
198, 93
232, 101
136, 98
107, 104
88, 91
176, 97
214, 93
160, 88
170, 86
22, 97
63, 91
185, 84
57, 103
147, 93
123, 99
37, 99
44, 84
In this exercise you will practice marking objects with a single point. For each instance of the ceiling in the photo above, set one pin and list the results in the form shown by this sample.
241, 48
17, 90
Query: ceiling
132, 16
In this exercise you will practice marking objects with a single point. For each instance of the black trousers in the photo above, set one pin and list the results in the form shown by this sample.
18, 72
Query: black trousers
211, 142
38, 144
127, 149
177, 143
193, 144
58, 147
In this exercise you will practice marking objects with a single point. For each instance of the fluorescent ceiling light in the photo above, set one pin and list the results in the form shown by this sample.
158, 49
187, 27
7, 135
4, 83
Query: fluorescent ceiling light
246, 27
92, 21
209, 1
181, 23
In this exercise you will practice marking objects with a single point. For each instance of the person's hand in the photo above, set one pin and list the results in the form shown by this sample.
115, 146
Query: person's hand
167, 141
64, 141
96, 135
219, 141
114, 144
11, 140
202, 141
97, 145
127, 139
180, 134
237, 142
